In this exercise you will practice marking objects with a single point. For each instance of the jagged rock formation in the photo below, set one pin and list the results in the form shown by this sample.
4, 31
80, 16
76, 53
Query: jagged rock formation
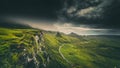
58, 34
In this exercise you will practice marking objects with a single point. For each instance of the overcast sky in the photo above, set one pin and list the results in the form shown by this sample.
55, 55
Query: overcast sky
95, 14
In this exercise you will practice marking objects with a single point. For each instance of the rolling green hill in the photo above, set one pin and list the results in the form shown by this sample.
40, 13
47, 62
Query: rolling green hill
19, 48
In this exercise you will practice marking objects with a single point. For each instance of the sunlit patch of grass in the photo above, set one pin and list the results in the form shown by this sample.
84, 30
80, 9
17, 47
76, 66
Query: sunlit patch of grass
51, 40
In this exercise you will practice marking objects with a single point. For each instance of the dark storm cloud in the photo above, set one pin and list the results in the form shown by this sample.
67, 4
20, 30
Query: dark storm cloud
101, 12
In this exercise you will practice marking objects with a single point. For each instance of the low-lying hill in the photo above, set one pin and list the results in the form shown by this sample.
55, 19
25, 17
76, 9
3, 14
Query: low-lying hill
19, 48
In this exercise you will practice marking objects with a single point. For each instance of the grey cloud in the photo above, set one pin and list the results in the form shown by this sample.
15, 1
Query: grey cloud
84, 8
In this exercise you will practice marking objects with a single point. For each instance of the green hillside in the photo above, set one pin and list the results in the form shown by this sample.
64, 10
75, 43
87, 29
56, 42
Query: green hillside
19, 49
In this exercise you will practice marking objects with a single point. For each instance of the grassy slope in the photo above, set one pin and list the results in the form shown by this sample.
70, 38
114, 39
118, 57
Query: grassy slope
10, 39
83, 52
94, 53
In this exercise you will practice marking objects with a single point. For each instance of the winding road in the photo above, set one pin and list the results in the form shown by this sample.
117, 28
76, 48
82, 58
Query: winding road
62, 54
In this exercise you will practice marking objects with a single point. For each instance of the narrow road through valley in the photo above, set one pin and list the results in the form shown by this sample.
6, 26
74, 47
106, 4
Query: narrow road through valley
62, 54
